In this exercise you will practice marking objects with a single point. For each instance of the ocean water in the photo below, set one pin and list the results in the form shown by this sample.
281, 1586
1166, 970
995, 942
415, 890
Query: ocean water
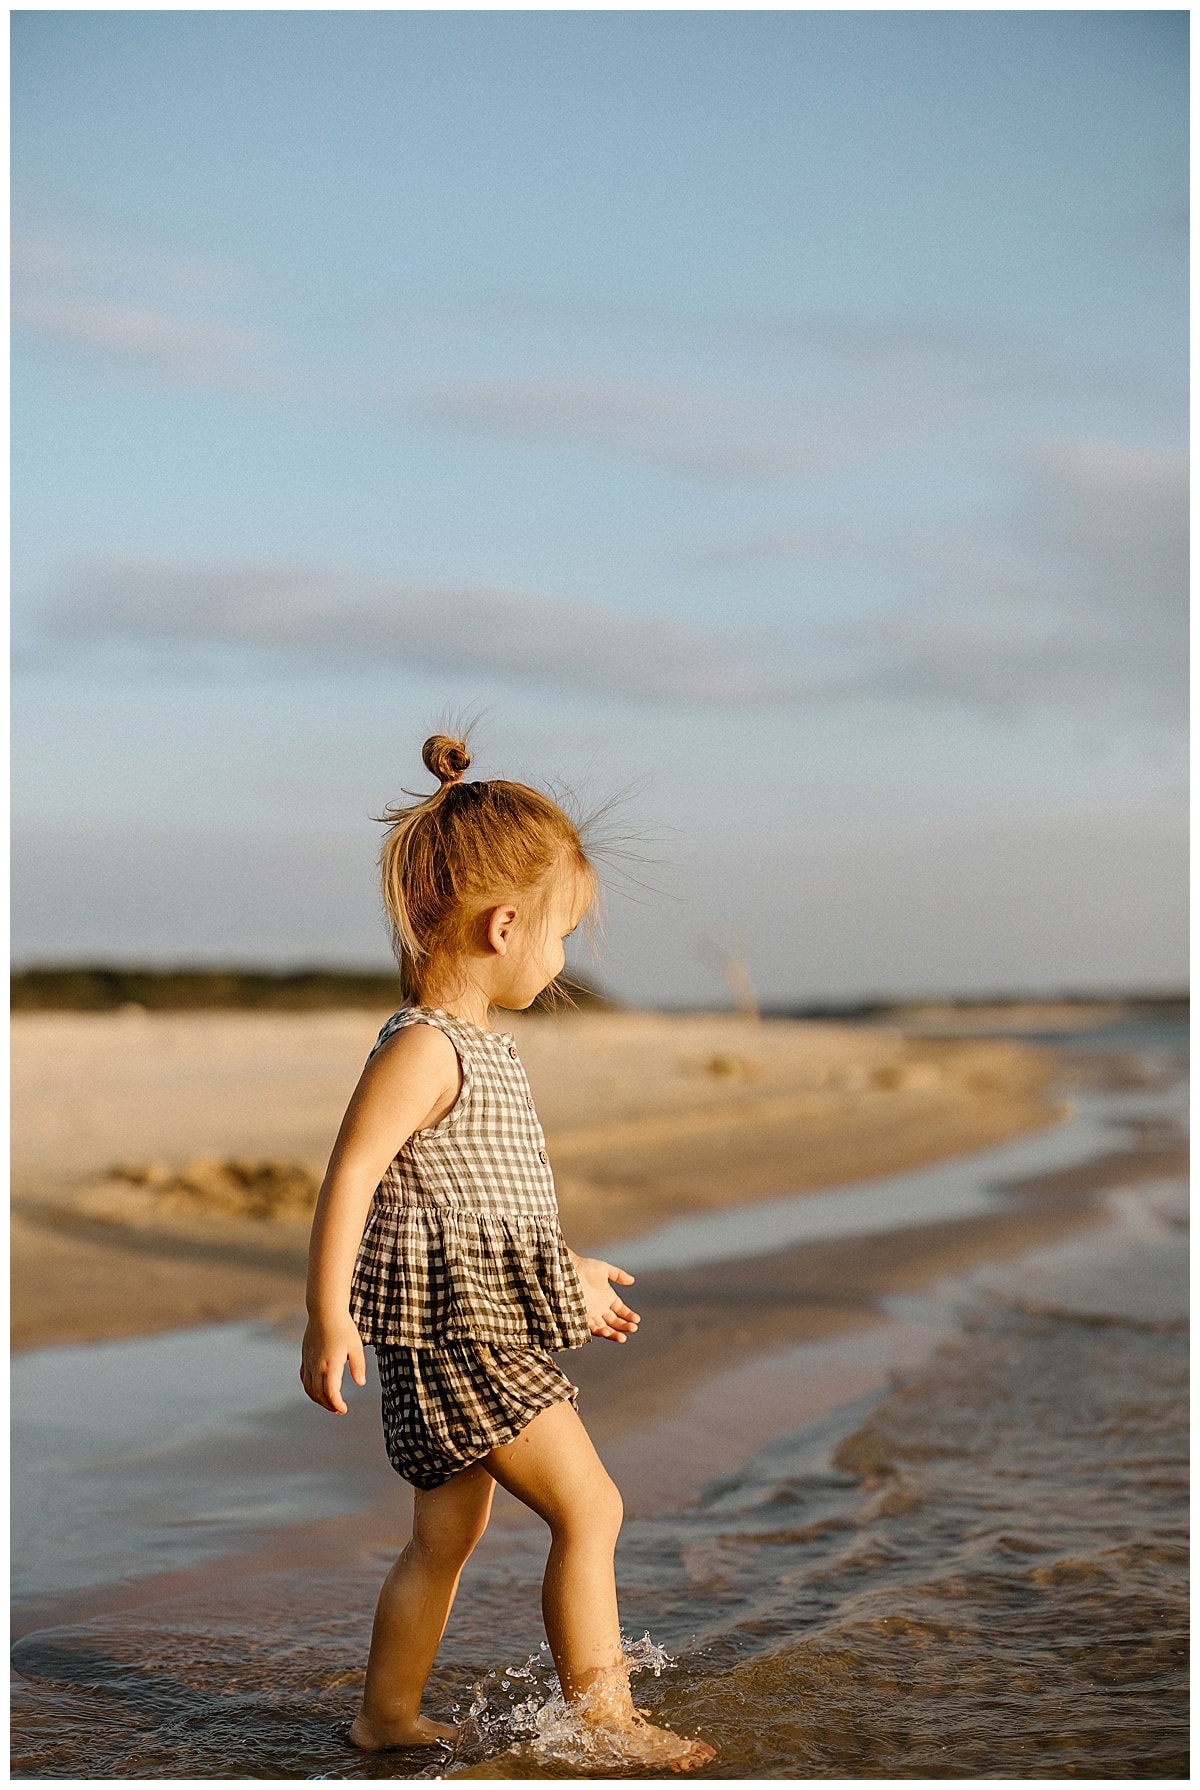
978, 1570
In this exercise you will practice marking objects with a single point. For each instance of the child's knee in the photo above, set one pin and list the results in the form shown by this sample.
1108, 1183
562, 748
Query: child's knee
449, 1520
446, 1550
597, 1516
614, 1509
449, 1544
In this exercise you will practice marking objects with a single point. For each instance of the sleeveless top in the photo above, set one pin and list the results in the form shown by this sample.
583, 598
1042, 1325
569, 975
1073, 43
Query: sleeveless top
463, 1238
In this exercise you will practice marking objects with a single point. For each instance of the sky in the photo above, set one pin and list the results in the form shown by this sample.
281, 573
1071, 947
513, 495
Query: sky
770, 427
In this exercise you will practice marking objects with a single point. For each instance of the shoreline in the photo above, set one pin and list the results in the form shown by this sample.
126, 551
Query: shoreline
721, 1423
648, 1117
738, 1352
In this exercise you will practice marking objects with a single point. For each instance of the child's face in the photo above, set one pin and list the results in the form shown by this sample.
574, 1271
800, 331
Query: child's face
534, 952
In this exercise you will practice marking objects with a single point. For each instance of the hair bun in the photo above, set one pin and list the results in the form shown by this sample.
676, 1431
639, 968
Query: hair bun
445, 757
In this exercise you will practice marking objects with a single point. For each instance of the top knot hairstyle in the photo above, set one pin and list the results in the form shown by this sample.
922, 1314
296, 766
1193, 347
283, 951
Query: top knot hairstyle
446, 758
454, 854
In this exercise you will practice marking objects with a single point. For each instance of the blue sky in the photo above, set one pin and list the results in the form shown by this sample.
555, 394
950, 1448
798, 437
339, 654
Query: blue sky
776, 420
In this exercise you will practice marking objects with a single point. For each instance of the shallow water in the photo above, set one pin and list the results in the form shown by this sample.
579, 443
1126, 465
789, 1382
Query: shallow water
967, 1187
106, 1489
980, 1572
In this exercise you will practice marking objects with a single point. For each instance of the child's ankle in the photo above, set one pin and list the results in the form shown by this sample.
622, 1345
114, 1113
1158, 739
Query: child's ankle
607, 1697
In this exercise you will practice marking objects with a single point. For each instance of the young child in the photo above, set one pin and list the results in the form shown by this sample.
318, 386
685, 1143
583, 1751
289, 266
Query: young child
462, 1279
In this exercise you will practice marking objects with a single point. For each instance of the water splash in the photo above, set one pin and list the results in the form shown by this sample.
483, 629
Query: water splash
501, 1719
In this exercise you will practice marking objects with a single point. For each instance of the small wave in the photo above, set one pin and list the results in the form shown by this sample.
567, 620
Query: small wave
1098, 1320
522, 1709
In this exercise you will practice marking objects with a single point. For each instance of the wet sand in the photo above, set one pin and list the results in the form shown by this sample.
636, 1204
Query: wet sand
735, 1352
728, 1553
647, 1117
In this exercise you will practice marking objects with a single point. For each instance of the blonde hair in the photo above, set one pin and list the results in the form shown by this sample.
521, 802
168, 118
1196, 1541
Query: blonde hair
450, 856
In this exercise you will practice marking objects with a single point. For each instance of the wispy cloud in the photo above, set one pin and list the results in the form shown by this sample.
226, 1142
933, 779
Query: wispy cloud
688, 428
1073, 595
699, 429
737, 398
1090, 612
322, 616
1086, 612
161, 313
42, 252
746, 398
928, 347
140, 333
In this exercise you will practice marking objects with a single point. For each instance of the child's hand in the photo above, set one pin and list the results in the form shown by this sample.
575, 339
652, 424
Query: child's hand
607, 1315
326, 1349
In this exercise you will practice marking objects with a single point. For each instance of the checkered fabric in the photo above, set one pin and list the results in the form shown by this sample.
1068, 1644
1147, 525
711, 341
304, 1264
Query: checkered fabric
444, 1408
463, 1239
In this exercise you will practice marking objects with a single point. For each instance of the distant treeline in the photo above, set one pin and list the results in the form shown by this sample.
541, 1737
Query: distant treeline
100, 988
103, 988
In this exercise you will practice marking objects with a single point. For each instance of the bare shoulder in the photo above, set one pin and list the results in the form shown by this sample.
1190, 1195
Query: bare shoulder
419, 1049
413, 1079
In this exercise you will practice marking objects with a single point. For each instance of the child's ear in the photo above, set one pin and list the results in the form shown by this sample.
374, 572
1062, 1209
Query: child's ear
499, 929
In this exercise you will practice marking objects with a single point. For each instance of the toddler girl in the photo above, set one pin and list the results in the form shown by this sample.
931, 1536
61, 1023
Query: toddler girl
461, 1278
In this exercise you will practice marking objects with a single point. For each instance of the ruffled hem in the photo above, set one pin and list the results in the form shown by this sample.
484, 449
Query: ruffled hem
431, 1274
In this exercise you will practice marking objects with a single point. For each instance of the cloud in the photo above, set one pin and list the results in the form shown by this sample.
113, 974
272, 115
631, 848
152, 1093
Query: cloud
140, 306
794, 397
1072, 596
764, 547
72, 258
797, 397
1117, 517
1083, 609
155, 338
688, 429
319, 616
701, 430
930, 351
1090, 612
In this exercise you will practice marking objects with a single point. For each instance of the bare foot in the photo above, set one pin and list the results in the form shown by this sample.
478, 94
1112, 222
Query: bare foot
661, 1744
638, 1742
378, 1737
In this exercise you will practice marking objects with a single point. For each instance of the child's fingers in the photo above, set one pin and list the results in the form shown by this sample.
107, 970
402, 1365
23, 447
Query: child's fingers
610, 1324
316, 1387
618, 1274
358, 1366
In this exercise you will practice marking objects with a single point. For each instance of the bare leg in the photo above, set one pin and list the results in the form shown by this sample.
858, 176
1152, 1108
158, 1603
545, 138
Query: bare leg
414, 1606
553, 1468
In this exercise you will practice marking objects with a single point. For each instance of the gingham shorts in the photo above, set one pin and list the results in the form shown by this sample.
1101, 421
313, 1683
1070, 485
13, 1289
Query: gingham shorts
444, 1407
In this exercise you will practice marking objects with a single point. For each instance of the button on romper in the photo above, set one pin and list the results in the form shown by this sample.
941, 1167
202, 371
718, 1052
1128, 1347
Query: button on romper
463, 1280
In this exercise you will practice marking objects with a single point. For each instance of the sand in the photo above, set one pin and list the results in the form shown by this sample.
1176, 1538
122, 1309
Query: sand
648, 1116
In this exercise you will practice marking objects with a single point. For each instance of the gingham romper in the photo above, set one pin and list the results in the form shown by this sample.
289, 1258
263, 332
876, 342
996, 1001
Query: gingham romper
463, 1280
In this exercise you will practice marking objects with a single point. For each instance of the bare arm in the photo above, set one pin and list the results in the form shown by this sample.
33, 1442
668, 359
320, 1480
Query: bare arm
408, 1085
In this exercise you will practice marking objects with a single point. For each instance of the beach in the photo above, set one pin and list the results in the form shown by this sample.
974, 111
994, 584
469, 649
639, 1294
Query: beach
904, 1424
647, 1116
